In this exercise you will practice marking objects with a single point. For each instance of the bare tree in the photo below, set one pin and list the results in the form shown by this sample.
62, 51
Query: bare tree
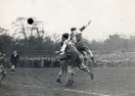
37, 27
3, 30
26, 29
19, 27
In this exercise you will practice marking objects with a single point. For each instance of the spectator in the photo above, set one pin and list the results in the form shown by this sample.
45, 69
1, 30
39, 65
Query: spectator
14, 60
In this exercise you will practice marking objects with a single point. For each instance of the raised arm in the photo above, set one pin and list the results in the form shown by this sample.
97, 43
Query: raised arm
85, 26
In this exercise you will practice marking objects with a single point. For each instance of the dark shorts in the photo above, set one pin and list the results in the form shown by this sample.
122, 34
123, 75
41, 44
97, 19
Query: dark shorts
71, 58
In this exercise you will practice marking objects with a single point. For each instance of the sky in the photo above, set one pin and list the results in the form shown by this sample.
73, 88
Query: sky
108, 16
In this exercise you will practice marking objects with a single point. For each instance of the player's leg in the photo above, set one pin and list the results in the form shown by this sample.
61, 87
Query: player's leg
2, 73
85, 68
59, 76
60, 73
13, 67
63, 70
70, 76
90, 53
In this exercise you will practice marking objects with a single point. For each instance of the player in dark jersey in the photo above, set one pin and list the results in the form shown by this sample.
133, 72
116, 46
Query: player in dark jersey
76, 36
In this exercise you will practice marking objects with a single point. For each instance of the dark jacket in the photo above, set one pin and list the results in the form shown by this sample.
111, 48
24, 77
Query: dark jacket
14, 59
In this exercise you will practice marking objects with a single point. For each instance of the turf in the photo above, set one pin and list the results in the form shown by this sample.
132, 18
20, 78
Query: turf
115, 81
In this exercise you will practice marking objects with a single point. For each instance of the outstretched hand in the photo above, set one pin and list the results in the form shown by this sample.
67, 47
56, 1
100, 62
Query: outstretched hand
93, 60
89, 22
57, 52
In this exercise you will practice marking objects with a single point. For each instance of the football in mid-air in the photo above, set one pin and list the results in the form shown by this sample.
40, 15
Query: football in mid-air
30, 21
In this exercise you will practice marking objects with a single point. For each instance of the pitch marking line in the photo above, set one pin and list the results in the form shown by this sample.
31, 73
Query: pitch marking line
66, 89
85, 92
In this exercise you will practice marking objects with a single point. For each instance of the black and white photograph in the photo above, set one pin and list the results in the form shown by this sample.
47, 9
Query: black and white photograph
67, 48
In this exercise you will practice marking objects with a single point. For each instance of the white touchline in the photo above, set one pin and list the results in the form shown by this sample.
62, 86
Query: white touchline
85, 92
66, 89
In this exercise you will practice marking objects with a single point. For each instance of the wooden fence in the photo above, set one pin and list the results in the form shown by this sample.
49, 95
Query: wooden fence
38, 62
